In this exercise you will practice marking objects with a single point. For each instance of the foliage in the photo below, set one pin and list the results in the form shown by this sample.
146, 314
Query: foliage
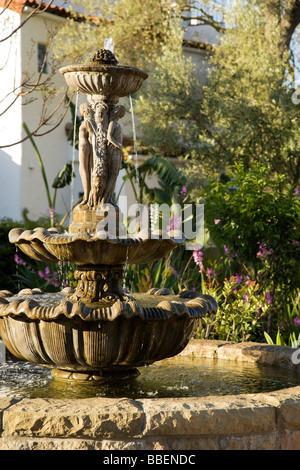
7, 266
171, 181
18, 271
248, 107
168, 104
174, 272
255, 218
170, 190
288, 333
139, 30
240, 314
35, 274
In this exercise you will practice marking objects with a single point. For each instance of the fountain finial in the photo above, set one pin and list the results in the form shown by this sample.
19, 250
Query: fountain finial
104, 56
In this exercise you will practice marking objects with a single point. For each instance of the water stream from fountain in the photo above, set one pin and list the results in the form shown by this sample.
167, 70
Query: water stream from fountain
73, 156
125, 269
135, 149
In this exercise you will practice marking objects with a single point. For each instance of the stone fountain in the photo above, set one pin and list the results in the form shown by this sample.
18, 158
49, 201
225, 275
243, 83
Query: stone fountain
99, 331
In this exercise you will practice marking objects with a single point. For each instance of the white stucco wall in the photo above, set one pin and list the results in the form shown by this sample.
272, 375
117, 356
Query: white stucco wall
54, 147
10, 119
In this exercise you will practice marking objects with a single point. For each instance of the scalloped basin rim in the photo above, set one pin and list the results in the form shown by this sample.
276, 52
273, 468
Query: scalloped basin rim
98, 68
192, 304
100, 249
17, 235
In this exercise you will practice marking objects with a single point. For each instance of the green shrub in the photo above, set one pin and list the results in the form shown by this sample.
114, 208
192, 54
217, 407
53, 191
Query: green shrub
254, 218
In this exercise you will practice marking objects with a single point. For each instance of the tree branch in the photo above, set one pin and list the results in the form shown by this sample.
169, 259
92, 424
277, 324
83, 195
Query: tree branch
289, 21
45, 120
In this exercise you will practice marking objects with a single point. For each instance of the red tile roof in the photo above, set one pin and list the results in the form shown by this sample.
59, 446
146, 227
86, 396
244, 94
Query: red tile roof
19, 5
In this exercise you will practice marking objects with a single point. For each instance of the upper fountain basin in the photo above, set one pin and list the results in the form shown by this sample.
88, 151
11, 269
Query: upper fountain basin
104, 80
100, 249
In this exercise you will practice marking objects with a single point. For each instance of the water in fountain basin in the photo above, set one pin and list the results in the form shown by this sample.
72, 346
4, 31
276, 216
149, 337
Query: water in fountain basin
176, 377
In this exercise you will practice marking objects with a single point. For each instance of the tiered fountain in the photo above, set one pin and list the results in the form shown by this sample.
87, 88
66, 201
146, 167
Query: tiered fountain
99, 331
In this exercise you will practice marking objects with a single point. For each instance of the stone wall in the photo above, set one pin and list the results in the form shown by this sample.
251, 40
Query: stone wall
268, 421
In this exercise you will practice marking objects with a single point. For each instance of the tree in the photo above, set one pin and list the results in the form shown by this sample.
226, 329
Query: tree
248, 108
139, 30
168, 104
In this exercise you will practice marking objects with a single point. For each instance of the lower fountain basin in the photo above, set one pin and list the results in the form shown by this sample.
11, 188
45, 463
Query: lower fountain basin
257, 420
100, 340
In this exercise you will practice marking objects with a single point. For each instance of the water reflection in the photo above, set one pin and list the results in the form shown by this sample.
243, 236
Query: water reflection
177, 377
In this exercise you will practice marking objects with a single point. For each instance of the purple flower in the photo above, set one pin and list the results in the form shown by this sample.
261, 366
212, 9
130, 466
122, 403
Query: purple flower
246, 298
297, 321
297, 191
175, 224
51, 213
19, 260
263, 252
183, 191
198, 258
269, 297
174, 272
238, 278
47, 270
211, 273
226, 250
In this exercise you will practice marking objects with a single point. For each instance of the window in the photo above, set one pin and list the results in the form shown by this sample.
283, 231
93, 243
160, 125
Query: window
42, 59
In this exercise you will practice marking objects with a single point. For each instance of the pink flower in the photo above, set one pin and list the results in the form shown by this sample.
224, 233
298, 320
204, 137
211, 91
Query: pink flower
269, 297
297, 321
263, 253
183, 191
217, 221
19, 260
226, 250
175, 224
198, 258
211, 273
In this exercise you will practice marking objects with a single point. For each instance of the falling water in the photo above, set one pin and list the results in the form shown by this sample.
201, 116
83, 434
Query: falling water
154, 216
17, 268
135, 149
73, 157
125, 268
109, 44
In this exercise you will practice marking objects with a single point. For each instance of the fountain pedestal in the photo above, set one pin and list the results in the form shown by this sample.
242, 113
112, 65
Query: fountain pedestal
98, 283
104, 218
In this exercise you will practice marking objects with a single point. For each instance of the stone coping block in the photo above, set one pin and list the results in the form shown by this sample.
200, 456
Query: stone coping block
248, 421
